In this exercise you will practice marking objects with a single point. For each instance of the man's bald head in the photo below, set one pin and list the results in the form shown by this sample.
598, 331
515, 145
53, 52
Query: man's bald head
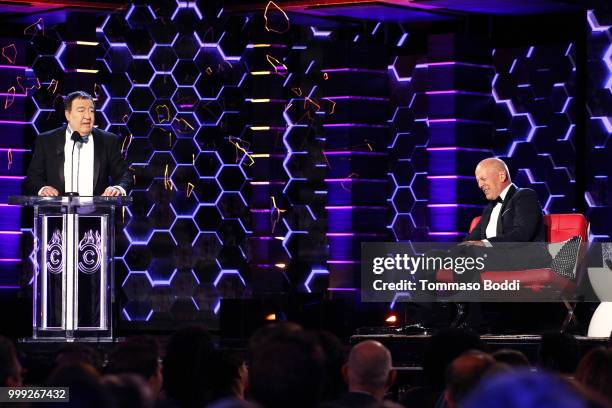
369, 364
494, 164
493, 177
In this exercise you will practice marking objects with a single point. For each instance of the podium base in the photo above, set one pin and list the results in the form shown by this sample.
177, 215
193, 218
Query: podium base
69, 340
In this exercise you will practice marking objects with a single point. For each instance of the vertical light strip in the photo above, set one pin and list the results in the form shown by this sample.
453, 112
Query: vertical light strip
69, 275
43, 277
103, 240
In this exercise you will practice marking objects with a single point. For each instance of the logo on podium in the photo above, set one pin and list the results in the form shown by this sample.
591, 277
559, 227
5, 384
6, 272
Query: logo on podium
54, 253
90, 252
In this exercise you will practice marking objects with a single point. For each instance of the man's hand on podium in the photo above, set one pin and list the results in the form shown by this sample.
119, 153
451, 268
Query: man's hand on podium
48, 191
111, 192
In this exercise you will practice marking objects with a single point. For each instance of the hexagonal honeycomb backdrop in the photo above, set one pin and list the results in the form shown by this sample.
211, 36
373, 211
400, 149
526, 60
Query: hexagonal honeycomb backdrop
598, 194
266, 151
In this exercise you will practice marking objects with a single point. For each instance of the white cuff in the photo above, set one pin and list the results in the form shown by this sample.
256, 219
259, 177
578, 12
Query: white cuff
487, 243
120, 189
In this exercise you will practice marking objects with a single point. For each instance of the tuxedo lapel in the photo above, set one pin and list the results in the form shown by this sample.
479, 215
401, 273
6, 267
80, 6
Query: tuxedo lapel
509, 194
98, 152
60, 145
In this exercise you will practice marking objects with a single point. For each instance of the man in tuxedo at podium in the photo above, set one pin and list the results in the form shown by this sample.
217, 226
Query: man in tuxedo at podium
78, 158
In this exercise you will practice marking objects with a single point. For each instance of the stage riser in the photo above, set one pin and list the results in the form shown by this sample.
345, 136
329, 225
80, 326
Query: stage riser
409, 351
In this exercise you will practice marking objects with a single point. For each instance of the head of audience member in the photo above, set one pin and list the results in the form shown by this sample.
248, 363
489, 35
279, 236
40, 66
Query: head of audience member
464, 374
84, 385
128, 391
369, 369
595, 371
10, 368
271, 331
138, 355
79, 109
559, 352
187, 372
230, 377
511, 357
443, 347
523, 389
335, 358
493, 177
286, 367
72, 353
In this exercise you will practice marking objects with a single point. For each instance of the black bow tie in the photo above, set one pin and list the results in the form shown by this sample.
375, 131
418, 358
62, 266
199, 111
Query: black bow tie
498, 200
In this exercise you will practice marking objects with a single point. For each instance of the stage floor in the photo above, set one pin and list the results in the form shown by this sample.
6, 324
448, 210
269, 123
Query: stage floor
408, 350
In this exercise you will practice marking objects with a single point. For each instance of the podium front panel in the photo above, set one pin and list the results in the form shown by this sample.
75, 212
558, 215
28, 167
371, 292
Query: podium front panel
90, 272
52, 277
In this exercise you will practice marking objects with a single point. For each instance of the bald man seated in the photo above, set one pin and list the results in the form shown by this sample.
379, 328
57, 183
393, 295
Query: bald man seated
369, 375
512, 215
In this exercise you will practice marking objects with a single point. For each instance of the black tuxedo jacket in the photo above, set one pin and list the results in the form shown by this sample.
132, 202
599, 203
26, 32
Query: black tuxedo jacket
353, 400
520, 219
358, 400
47, 165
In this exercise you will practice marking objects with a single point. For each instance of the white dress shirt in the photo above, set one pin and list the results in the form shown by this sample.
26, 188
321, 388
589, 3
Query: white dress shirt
83, 168
491, 230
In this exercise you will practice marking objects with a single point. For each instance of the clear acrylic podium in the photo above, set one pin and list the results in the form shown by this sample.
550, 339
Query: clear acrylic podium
73, 252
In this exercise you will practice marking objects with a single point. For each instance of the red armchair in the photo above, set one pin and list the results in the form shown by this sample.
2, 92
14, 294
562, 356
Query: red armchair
559, 228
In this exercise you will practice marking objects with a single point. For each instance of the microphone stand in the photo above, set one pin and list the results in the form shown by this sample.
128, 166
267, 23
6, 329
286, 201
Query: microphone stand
76, 137
71, 247
79, 166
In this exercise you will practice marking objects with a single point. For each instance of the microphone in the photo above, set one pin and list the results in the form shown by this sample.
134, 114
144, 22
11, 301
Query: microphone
79, 165
75, 137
